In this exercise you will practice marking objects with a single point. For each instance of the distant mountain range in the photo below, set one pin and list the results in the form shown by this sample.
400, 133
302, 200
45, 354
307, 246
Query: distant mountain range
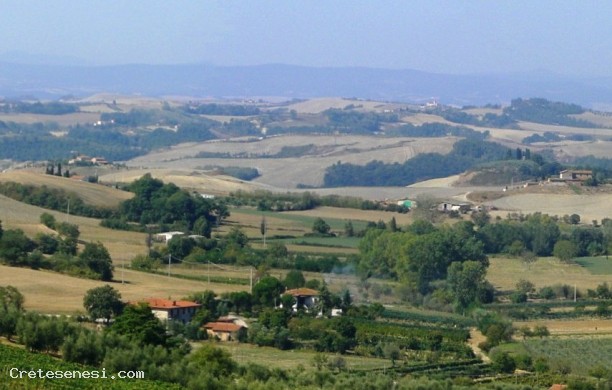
289, 81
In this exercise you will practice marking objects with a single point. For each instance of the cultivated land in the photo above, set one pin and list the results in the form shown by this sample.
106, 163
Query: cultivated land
50, 292
94, 194
289, 172
589, 206
203, 181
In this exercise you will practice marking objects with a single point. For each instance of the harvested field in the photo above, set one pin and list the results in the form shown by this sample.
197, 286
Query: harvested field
308, 169
62, 120
93, 194
505, 272
315, 106
186, 178
50, 292
589, 207
442, 182
586, 326
538, 127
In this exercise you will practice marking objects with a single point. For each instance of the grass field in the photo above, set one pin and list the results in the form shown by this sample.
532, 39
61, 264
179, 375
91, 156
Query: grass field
275, 358
596, 265
505, 272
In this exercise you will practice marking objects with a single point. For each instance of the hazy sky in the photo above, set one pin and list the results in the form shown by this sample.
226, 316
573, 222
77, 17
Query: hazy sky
567, 37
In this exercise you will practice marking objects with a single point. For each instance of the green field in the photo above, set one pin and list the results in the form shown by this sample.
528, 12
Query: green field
600, 265
275, 358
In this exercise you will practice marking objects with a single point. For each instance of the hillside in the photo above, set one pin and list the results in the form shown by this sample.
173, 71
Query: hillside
122, 246
93, 194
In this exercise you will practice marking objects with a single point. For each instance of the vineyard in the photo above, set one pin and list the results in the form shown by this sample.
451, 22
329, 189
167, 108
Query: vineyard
12, 357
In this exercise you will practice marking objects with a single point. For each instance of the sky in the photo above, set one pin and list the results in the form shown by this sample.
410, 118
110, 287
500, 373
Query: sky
457, 37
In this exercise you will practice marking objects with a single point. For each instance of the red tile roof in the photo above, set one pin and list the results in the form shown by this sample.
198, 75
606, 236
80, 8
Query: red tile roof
222, 327
303, 292
167, 304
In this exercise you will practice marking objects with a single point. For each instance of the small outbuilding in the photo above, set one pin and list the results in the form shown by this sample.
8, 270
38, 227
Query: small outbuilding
224, 331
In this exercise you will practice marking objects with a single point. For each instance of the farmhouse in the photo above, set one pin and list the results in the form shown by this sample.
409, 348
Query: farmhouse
305, 298
169, 310
575, 175
224, 331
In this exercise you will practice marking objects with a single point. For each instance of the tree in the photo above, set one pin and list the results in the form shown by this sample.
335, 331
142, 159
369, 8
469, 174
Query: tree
465, 280
180, 247
11, 297
215, 361
393, 225
294, 279
481, 218
565, 250
503, 362
392, 352
14, 246
320, 226
267, 291
103, 302
140, 324
48, 220
263, 228
97, 258
426, 208
349, 230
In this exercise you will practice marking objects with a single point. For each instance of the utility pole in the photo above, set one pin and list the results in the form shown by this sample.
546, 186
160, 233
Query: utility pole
574, 292
169, 260
251, 269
